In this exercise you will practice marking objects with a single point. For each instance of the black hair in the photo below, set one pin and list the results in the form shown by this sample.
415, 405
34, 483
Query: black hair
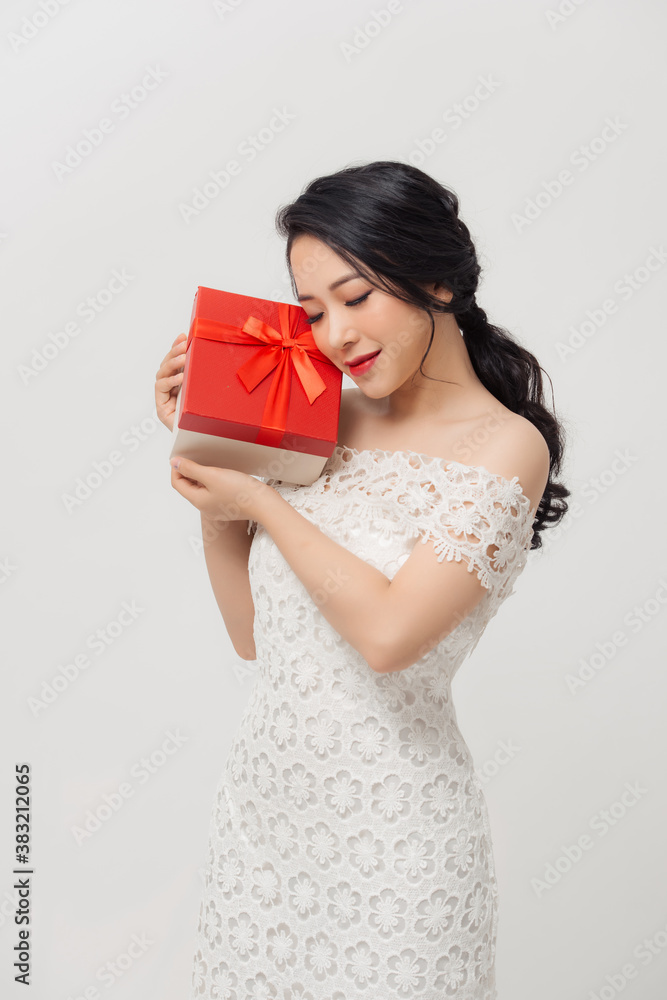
400, 228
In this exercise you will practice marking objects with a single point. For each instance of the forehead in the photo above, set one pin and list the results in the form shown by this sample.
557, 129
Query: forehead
314, 262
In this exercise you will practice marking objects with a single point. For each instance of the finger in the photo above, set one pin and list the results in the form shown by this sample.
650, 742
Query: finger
167, 380
169, 371
177, 478
188, 488
191, 470
177, 352
172, 363
164, 386
177, 348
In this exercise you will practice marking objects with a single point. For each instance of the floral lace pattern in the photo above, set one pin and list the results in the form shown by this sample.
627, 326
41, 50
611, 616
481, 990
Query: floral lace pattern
349, 849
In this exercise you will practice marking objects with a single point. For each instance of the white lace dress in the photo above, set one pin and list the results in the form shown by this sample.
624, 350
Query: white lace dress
350, 852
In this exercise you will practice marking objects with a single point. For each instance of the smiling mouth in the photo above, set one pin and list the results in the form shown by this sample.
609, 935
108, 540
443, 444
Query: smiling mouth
363, 361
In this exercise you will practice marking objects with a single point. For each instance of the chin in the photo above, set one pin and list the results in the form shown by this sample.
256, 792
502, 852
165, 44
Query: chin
373, 392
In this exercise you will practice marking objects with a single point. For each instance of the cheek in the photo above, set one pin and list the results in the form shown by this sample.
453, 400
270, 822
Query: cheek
408, 337
402, 353
322, 344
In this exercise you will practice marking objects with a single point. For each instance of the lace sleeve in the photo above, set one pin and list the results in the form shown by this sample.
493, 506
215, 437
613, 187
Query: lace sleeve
484, 519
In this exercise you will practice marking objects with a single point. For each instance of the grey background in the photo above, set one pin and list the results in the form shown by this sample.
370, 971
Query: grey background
66, 572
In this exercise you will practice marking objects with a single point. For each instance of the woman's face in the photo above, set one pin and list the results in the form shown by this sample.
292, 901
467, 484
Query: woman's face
354, 319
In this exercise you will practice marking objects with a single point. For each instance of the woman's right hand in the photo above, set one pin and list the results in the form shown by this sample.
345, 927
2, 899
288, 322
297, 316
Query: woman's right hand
168, 380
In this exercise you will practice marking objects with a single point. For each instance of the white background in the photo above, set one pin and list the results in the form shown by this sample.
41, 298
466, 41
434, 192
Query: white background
66, 571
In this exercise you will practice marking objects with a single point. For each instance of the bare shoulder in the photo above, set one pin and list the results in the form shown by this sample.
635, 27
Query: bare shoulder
519, 449
508, 445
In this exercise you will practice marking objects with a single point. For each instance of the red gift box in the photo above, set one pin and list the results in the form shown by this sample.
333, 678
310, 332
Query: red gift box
257, 395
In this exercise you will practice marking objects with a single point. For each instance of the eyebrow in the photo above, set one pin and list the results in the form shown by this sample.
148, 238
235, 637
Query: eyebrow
334, 284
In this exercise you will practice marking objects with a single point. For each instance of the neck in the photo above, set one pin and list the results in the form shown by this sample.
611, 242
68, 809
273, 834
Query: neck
420, 398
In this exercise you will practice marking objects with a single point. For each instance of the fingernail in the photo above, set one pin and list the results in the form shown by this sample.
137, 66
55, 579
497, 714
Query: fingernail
175, 462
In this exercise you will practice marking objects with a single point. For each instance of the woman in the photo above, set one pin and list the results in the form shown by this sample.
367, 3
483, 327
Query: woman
350, 853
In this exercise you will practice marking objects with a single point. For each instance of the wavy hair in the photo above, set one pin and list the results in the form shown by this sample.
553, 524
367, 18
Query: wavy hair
400, 228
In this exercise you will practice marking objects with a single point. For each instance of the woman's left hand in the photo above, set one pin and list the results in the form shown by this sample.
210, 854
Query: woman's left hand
220, 494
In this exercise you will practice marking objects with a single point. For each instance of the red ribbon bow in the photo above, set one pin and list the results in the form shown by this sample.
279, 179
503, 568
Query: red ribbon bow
284, 350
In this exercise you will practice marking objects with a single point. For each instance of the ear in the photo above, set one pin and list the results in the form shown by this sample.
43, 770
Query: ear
442, 293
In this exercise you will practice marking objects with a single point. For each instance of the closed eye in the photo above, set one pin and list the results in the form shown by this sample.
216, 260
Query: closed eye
355, 302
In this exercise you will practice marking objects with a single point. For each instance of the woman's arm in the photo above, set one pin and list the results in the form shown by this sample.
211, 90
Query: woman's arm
226, 550
391, 623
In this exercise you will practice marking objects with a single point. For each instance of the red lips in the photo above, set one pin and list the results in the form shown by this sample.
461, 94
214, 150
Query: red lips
362, 357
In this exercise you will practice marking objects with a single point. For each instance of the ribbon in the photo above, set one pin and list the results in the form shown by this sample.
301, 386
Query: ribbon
284, 350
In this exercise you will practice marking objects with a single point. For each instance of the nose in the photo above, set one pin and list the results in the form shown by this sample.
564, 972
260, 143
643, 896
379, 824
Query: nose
341, 331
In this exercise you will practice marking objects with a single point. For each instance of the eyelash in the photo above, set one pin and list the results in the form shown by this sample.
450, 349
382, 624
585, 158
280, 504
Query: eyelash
355, 302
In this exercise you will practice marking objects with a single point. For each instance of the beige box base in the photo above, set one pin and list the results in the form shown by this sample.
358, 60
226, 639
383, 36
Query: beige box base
253, 459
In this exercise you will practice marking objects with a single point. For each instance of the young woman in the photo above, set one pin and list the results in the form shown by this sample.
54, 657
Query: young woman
350, 852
